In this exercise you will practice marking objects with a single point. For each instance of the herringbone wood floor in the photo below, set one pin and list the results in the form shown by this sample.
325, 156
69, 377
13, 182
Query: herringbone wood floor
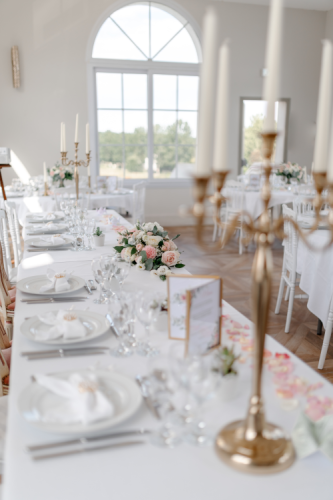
235, 271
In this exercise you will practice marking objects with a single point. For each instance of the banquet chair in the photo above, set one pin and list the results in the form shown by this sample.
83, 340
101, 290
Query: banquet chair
139, 198
108, 182
289, 276
7, 306
327, 337
234, 205
14, 229
7, 258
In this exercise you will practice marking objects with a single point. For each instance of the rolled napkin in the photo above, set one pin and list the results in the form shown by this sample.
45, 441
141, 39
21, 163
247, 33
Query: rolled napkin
55, 239
59, 281
82, 401
64, 324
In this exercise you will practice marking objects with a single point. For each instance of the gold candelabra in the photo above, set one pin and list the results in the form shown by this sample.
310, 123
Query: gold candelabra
77, 163
253, 445
45, 189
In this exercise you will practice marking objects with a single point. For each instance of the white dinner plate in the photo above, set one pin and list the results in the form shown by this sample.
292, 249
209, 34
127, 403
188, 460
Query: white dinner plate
39, 243
39, 218
33, 285
38, 230
95, 324
121, 390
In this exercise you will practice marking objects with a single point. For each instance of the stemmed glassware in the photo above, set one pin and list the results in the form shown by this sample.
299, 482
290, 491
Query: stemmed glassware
90, 225
119, 310
122, 271
100, 275
147, 306
108, 264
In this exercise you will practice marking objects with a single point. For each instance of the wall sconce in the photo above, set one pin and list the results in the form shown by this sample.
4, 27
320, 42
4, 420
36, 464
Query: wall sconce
16, 67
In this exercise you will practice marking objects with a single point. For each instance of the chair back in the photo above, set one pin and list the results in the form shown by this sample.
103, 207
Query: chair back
4, 240
108, 182
291, 241
14, 229
139, 198
302, 206
235, 196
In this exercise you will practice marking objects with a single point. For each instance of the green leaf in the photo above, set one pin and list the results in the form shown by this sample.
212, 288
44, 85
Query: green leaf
149, 264
161, 243
177, 236
180, 265
133, 251
125, 240
154, 230
163, 278
164, 233
119, 249
144, 256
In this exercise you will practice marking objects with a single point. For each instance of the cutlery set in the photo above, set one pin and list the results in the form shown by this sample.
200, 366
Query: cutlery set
65, 353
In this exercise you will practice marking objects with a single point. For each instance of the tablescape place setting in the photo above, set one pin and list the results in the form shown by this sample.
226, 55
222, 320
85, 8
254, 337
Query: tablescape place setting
53, 283
45, 217
47, 228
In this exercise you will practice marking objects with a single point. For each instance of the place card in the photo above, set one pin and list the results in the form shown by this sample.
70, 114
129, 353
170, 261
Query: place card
194, 309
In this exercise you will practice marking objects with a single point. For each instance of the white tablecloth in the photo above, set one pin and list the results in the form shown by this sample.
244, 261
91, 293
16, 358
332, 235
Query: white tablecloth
144, 472
25, 205
316, 270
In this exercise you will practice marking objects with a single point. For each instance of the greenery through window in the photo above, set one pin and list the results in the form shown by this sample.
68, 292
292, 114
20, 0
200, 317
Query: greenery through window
146, 118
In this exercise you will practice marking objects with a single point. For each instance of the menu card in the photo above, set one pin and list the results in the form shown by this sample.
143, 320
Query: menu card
195, 311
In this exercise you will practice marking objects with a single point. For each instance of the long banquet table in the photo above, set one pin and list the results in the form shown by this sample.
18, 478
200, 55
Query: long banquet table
143, 472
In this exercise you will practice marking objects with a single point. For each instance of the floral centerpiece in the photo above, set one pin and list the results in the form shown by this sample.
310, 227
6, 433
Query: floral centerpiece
290, 171
60, 173
149, 247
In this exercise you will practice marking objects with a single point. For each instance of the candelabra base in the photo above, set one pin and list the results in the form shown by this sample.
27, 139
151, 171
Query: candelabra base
267, 453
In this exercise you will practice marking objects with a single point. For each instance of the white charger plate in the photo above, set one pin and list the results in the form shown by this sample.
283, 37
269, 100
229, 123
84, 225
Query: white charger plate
39, 218
43, 230
33, 285
95, 324
38, 242
118, 388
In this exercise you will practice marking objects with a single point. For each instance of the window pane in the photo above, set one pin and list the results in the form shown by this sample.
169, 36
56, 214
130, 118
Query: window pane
165, 127
134, 20
188, 87
135, 126
180, 49
108, 90
185, 164
164, 161
165, 92
136, 162
135, 91
110, 121
111, 43
187, 127
163, 27
110, 158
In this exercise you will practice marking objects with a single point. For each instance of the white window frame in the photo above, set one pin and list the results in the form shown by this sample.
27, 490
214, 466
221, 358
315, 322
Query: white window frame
148, 67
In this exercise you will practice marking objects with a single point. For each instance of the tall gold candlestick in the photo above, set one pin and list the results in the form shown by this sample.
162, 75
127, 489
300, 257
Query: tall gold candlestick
76, 163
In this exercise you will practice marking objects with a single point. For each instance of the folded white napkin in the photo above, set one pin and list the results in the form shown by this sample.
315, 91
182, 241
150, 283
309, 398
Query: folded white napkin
82, 401
49, 226
64, 324
59, 281
55, 239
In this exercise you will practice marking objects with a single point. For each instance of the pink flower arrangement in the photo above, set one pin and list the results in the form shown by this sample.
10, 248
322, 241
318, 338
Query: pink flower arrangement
139, 247
150, 251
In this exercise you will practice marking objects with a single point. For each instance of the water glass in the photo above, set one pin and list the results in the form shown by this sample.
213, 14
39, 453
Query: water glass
147, 306
120, 314
122, 271
100, 275
90, 226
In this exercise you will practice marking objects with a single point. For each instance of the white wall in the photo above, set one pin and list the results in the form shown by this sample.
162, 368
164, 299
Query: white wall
52, 36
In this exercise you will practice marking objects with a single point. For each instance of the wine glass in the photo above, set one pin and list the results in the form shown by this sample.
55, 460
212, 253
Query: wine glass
90, 226
147, 306
119, 312
100, 275
122, 271
108, 264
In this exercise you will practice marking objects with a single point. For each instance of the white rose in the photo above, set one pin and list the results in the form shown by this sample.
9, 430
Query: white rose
153, 240
141, 267
162, 271
140, 235
154, 272
159, 227
148, 226
131, 241
126, 254
168, 273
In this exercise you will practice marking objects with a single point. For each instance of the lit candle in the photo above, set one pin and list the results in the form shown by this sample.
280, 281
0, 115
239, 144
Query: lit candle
220, 162
206, 95
273, 63
324, 110
77, 129
45, 172
87, 139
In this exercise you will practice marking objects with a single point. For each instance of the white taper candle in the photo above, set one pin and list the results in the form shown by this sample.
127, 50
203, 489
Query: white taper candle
77, 129
273, 63
206, 95
220, 161
64, 137
45, 172
324, 110
87, 139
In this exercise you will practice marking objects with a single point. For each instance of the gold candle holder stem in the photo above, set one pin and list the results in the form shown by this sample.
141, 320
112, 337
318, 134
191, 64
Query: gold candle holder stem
45, 189
76, 163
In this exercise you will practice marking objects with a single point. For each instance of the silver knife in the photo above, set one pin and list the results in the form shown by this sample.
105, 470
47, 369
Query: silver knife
84, 450
150, 403
52, 300
112, 327
85, 439
52, 351
66, 355
47, 250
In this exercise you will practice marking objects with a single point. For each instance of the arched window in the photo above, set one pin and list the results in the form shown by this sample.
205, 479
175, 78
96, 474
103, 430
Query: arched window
145, 61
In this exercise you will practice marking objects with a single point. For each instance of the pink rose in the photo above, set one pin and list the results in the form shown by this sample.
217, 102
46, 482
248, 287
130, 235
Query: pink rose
139, 247
62, 175
168, 245
51, 173
150, 251
123, 253
170, 258
149, 233
164, 248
